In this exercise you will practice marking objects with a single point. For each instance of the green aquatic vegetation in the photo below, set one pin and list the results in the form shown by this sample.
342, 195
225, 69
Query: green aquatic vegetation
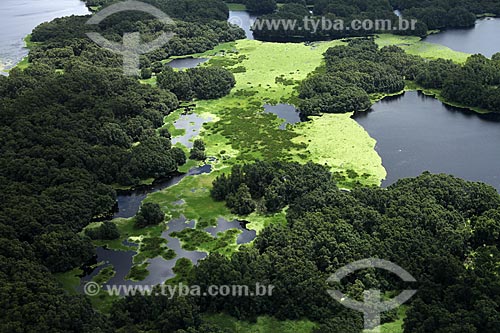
192, 238
252, 134
240, 132
183, 270
104, 275
337, 141
415, 45
239, 69
69, 280
24, 63
224, 48
195, 193
138, 272
128, 231
152, 247
200, 240
226, 61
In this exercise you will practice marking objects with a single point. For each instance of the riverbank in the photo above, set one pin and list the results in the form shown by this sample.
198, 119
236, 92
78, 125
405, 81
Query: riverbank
24, 63
436, 93
21, 17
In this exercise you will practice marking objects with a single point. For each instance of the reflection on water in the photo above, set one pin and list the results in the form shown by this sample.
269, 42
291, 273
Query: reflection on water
417, 133
192, 124
244, 20
160, 269
484, 38
183, 63
121, 261
287, 112
246, 236
130, 201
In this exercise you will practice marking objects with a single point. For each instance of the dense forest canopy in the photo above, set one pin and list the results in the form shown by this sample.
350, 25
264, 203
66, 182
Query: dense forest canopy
187, 10
443, 230
431, 15
199, 26
359, 69
72, 125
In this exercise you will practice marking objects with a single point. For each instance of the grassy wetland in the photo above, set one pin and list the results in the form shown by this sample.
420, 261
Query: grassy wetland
236, 130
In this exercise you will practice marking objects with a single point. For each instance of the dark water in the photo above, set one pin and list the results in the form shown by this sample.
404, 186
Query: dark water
184, 63
19, 17
246, 235
244, 20
129, 203
287, 112
192, 124
160, 269
484, 38
417, 133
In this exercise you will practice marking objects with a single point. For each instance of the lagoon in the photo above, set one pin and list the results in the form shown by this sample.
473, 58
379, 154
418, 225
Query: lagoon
20, 17
484, 38
417, 133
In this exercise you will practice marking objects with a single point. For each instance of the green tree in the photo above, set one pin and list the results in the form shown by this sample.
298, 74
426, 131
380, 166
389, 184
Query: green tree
241, 202
261, 6
149, 214
146, 73
106, 231
62, 250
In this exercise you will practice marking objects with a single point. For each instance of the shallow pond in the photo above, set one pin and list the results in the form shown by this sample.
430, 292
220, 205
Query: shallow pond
130, 201
287, 112
246, 236
183, 63
192, 124
160, 269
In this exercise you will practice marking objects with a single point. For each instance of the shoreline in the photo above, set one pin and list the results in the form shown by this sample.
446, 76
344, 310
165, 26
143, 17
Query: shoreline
24, 62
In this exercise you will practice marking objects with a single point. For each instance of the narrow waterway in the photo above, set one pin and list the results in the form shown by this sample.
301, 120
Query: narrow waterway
244, 20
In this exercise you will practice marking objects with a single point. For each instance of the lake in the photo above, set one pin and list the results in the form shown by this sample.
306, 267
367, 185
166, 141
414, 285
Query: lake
417, 133
244, 20
484, 38
19, 17
287, 112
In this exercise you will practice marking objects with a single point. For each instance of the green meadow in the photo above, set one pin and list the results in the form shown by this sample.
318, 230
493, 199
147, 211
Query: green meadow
240, 132
237, 130
415, 45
